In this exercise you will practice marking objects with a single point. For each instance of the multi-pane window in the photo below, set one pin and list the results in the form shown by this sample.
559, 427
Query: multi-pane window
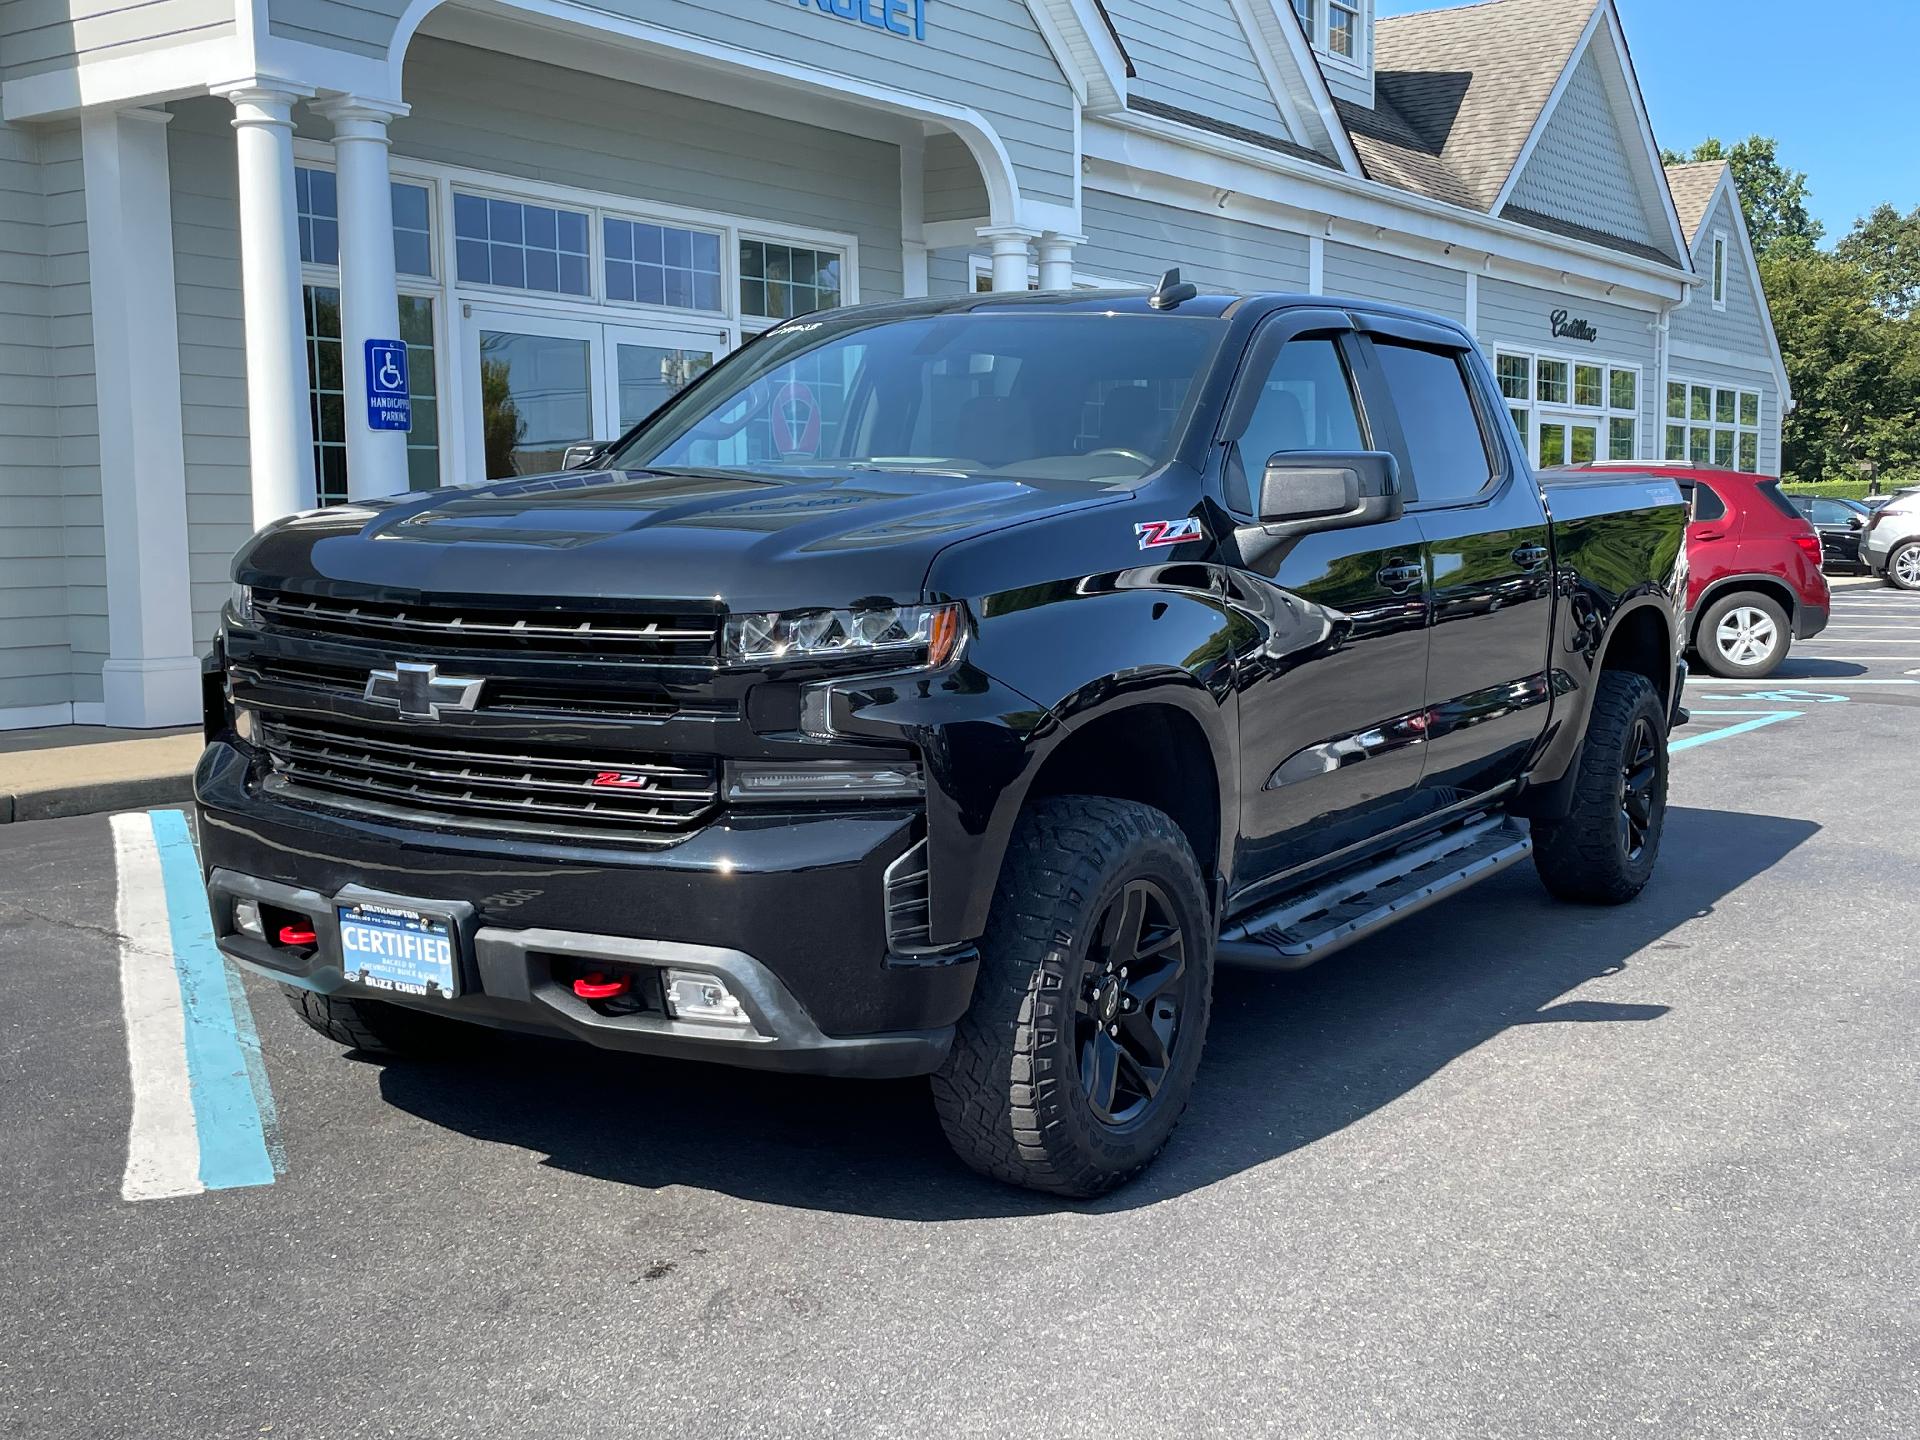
327, 392
519, 246
1304, 9
1343, 28
316, 199
1571, 412
778, 281
1714, 425
662, 264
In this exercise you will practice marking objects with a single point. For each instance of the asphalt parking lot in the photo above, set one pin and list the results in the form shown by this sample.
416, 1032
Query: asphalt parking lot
1513, 1169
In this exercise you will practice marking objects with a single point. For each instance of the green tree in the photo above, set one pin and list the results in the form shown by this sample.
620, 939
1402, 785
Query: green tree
1854, 368
1773, 197
502, 427
1886, 245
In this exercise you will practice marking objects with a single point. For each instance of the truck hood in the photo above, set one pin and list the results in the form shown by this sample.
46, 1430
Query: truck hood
752, 542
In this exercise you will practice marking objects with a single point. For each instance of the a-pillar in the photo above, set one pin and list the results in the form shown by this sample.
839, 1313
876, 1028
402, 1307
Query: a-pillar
1056, 260
369, 289
279, 427
1010, 259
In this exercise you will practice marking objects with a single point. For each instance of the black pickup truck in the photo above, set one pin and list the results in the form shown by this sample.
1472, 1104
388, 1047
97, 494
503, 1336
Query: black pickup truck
944, 688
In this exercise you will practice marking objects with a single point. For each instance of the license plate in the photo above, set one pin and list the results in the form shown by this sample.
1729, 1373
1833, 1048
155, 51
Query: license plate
388, 947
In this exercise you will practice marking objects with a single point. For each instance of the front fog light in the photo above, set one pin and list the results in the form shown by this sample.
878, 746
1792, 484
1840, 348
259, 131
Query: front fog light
246, 919
695, 995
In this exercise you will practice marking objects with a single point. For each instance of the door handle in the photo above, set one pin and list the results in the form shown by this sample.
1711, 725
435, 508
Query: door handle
1530, 557
1399, 578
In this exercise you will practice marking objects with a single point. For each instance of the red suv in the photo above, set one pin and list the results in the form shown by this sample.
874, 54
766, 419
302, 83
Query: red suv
1754, 584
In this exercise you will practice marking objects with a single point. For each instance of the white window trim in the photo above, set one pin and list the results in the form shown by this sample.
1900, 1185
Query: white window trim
1360, 63
1571, 411
1758, 430
1718, 277
448, 291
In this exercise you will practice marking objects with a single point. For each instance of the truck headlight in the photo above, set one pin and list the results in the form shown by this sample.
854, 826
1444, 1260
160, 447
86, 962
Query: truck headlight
930, 633
240, 606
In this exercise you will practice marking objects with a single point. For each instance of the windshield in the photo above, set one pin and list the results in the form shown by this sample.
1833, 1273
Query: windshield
1033, 396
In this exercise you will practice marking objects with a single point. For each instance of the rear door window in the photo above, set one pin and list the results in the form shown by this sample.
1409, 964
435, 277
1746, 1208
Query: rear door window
1446, 443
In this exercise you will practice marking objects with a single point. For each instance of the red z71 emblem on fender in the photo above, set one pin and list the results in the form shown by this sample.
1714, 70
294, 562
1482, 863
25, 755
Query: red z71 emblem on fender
1154, 533
620, 780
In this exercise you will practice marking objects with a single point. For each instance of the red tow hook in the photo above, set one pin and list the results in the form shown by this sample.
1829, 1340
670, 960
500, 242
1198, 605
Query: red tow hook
596, 986
297, 935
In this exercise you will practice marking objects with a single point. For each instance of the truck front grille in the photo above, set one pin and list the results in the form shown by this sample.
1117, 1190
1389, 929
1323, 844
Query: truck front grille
462, 782
662, 637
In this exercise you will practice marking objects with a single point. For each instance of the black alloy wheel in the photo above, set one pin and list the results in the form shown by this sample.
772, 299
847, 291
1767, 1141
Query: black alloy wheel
1127, 1020
1639, 770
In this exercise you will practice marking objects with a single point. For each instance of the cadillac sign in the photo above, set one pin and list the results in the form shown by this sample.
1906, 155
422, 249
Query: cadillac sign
905, 18
1567, 327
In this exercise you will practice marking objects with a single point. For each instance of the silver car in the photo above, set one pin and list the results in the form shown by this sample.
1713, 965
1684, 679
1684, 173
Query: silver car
1891, 546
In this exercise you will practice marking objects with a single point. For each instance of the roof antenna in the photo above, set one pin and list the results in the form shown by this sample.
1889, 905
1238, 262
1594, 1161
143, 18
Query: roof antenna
1172, 291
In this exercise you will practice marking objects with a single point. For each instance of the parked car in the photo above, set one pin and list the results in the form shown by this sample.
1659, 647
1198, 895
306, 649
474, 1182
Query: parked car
1063, 645
1754, 582
1891, 549
1876, 502
1840, 524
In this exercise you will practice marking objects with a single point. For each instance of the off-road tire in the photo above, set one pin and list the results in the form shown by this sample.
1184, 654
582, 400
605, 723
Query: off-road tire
1582, 857
370, 1025
1010, 1094
1707, 646
1903, 556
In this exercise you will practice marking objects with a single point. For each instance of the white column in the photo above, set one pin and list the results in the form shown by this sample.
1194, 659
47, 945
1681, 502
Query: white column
369, 289
1056, 260
279, 427
1009, 254
151, 676
913, 217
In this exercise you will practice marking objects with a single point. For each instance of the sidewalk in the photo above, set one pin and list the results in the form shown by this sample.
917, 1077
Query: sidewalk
84, 769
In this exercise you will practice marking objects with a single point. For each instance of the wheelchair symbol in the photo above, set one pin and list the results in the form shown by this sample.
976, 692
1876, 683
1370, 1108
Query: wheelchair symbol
1791, 697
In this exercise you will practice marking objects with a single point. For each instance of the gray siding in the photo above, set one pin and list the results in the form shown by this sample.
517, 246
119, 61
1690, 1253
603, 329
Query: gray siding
1370, 275
213, 362
1195, 54
41, 35
1580, 170
951, 181
70, 333
986, 54
493, 112
1517, 315
1737, 328
35, 665
1133, 239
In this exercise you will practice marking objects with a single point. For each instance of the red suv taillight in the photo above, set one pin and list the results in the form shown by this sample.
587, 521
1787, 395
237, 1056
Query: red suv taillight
1810, 544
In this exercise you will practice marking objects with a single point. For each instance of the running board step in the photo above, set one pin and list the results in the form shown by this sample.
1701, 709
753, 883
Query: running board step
1304, 928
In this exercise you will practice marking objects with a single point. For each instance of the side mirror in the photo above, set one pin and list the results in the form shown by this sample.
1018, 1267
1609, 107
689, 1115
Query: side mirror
1302, 491
578, 455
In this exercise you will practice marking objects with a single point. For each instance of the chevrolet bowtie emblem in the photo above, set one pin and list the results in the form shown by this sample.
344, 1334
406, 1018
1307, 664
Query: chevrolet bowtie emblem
421, 692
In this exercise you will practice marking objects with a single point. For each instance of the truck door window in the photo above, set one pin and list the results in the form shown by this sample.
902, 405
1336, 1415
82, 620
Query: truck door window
1306, 403
1446, 444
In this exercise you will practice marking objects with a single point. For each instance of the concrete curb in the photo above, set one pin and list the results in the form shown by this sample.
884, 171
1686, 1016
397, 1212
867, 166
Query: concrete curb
96, 798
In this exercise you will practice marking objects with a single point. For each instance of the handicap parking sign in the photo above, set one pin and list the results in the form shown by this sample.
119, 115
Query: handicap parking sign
389, 407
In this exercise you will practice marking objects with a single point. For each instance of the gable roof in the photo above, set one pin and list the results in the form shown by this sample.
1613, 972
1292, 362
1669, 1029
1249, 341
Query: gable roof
1693, 186
1472, 83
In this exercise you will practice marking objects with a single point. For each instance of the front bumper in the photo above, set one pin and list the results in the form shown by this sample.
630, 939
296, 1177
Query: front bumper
788, 909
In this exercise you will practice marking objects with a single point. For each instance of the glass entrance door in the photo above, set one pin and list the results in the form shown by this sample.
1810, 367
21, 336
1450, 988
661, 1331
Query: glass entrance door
1569, 440
547, 382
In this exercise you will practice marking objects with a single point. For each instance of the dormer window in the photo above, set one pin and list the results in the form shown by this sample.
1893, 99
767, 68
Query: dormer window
1338, 29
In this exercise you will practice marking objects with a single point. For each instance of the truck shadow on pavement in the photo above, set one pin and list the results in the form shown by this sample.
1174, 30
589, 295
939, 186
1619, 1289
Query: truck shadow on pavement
1291, 1058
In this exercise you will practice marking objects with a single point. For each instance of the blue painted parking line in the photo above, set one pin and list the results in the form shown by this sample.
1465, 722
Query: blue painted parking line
203, 1113
1758, 719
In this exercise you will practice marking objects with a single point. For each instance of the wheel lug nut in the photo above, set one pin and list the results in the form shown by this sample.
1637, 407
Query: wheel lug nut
1113, 1030
1123, 972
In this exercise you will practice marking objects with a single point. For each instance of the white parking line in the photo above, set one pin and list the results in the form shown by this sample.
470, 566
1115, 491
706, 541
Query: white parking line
163, 1141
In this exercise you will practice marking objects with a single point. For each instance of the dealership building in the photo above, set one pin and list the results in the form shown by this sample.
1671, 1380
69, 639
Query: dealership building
261, 254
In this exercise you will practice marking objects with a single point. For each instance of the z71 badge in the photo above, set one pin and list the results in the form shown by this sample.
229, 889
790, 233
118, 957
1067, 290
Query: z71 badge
1154, 533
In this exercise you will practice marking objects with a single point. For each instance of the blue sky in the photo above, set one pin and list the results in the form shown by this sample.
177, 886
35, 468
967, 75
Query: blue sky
1834, 82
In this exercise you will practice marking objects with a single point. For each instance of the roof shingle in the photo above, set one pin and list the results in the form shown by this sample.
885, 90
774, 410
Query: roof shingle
1693, 186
